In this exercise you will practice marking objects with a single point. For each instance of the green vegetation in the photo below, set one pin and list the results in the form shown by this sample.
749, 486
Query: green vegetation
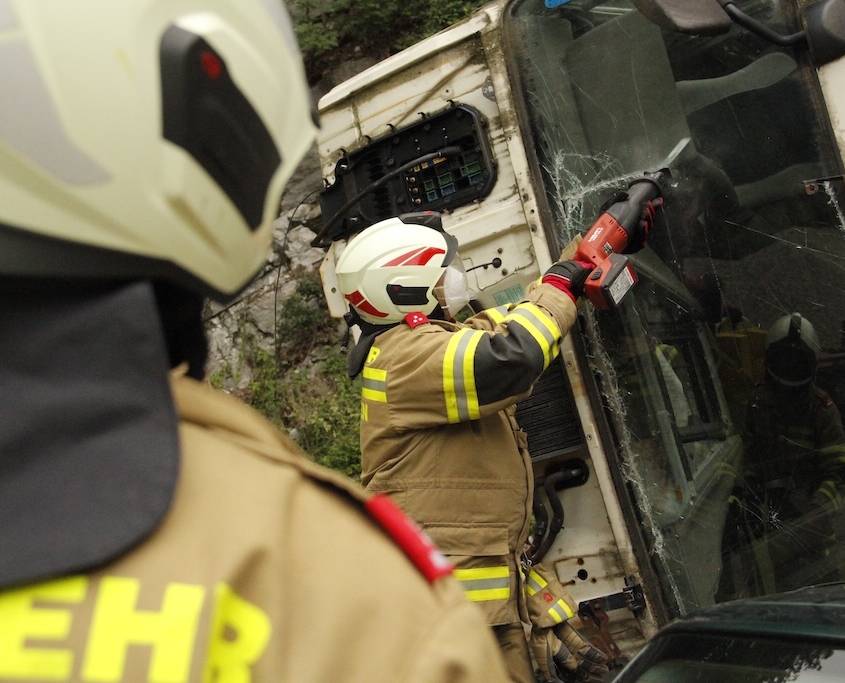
330, 31
303, 387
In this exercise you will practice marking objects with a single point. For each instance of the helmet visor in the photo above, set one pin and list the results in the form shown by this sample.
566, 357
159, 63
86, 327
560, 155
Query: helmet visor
453, 290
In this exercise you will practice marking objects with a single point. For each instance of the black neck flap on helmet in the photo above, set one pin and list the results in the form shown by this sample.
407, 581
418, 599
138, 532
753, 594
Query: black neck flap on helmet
89, 442
369, 332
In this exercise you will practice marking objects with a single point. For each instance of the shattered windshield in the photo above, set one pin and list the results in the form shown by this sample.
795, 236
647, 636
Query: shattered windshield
722, 373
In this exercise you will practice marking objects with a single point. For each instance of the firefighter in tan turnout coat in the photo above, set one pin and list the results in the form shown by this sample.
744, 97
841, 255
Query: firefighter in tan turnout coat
438, 428
152, 528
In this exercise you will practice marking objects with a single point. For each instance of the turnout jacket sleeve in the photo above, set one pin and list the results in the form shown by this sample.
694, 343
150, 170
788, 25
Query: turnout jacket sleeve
807, 447
442, 373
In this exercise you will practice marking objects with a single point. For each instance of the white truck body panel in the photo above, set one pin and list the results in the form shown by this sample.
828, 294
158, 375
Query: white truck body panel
651, 511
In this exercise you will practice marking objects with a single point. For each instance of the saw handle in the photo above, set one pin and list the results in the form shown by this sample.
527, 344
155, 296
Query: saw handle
622, 228
636, 214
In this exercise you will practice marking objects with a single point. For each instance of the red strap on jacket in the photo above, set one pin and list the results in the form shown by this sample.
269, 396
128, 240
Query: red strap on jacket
418, 547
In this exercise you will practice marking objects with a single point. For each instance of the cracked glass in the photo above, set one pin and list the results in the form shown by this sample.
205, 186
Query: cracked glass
721, 373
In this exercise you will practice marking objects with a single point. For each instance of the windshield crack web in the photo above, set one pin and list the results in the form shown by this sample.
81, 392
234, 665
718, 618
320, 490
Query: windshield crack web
632, 474
571, 197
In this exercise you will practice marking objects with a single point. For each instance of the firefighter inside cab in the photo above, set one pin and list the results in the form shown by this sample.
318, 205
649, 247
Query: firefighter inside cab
438, 427
786, 510
152, 528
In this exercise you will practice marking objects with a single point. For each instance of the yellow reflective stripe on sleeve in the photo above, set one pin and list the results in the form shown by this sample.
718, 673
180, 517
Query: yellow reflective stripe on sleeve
804, 436
497, 315
726, 469
830, 490
534, 583
541, 326
459, 378
559, 611
485, 583
832, 456
374, 385
669, 352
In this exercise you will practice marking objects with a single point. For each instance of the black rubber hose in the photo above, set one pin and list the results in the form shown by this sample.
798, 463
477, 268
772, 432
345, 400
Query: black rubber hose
549, 486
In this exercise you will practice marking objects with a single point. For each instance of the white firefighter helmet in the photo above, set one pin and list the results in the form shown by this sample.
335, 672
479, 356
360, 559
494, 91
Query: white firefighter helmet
792, 351
396, 267
147, 138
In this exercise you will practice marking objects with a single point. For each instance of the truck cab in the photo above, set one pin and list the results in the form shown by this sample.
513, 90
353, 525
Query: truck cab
517, 125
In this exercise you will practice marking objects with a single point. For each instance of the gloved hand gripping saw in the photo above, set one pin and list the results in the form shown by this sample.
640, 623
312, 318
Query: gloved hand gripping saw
599, 269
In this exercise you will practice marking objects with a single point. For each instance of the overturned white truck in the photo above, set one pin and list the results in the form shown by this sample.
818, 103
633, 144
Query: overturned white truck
517, 125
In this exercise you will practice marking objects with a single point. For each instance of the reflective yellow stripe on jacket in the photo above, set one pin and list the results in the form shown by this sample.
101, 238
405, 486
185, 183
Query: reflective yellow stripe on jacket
459, 362
559, 611
374, 384
540, 325
497, 315
459, 377
485, 583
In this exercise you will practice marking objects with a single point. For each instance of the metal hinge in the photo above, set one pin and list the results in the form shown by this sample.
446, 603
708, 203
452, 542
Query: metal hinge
631, 598
594, 612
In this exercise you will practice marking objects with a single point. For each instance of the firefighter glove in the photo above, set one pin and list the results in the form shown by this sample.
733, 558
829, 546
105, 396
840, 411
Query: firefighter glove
638, 237
573, 660
561, 653
579, 658
569, 277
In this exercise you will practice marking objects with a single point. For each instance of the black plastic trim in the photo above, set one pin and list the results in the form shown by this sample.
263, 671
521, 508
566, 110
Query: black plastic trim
205, 113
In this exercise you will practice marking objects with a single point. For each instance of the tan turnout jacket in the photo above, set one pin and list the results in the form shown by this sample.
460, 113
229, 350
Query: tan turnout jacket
438, 434
266, 569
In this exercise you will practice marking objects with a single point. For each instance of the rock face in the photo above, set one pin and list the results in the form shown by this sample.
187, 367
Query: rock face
249, 322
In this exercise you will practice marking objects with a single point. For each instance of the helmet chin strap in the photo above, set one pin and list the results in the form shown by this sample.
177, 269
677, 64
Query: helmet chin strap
353, 318
369, 332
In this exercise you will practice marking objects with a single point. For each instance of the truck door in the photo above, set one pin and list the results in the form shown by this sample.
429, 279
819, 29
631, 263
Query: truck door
724, 503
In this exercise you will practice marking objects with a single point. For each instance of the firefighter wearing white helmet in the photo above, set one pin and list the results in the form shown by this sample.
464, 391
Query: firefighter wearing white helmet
792, 351
151, 527
790, 492
397, 267
438, 425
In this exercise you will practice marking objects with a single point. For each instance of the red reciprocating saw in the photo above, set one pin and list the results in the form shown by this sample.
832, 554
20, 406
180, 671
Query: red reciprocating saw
607, 240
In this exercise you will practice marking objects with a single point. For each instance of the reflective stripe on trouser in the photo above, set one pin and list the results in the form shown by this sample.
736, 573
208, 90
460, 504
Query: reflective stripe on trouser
483, 584
558, 611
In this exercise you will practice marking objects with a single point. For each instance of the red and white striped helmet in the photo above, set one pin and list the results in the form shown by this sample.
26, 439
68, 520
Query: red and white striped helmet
392, 268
